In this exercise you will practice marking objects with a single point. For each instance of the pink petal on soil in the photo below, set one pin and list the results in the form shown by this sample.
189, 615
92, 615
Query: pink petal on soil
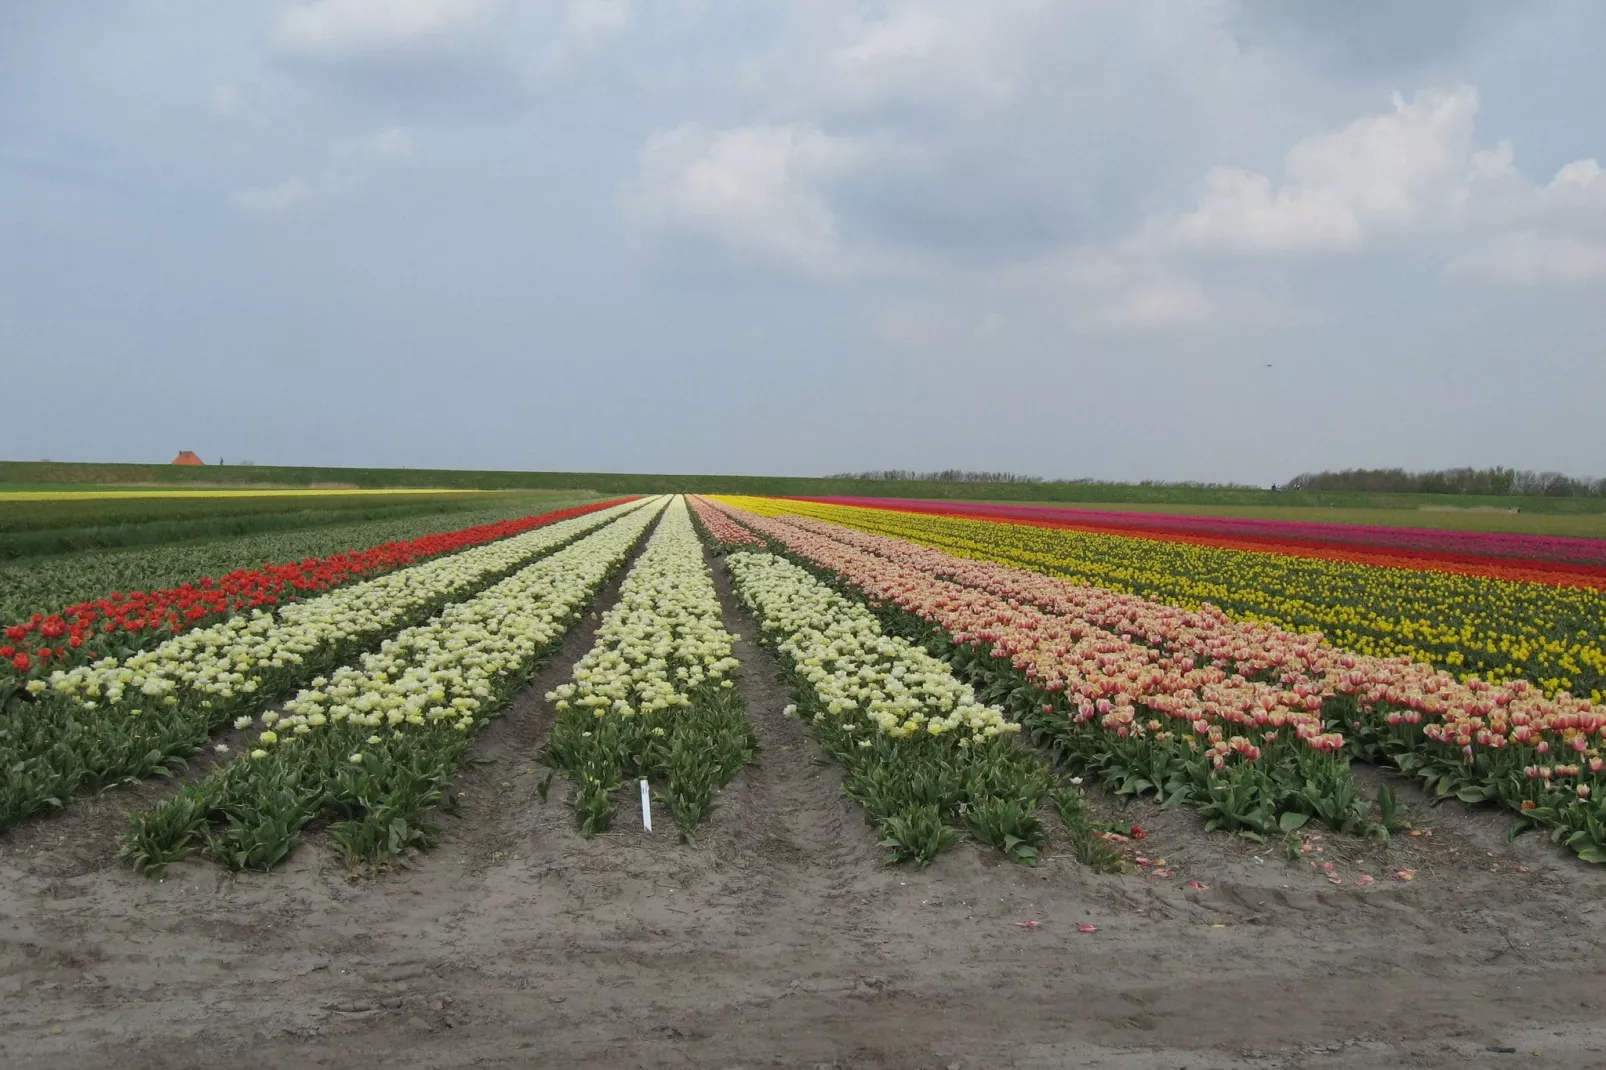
1199, 886
1365, 879
1084, 928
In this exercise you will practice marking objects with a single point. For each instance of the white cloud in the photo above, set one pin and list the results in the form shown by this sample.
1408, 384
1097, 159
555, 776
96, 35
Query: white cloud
760, 193
348, 169
393, 144
224, 100
936, 51
277, 199
333, 28
1380, 173
1538, 236
593, 21
1408, 176
1533, 258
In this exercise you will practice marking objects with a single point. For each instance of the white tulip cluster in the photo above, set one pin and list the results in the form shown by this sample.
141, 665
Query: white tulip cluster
857, 671
447, 670
231, 659
663, 639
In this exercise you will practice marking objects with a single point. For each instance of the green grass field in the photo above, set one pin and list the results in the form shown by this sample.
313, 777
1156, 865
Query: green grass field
37, 474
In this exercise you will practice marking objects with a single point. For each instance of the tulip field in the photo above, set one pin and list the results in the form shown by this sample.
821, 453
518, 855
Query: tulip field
1190, 671
966, 666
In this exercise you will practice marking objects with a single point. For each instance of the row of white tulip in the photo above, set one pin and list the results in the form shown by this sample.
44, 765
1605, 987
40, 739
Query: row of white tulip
446, 671
867, 680
663, 639
231, 661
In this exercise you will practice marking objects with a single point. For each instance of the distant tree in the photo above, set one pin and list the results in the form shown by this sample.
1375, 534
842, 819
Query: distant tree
1486, 481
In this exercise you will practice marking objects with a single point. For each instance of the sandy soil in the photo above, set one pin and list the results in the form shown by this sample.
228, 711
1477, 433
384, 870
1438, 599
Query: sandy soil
778, 939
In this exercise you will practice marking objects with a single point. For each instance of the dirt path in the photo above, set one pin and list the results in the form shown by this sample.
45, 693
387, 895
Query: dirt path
778, 939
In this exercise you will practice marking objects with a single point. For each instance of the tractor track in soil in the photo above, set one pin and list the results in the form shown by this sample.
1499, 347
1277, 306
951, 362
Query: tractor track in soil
777, 938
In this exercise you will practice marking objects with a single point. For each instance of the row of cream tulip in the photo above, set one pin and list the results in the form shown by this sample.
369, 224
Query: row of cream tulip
923, 756
240, 655
652, 699
443, 671
893, 686
663, 639
377, 743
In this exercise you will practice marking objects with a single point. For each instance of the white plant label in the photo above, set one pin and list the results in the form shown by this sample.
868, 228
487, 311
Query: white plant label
646, 808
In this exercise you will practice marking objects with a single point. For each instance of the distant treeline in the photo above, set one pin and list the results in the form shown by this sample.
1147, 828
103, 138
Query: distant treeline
956, 475
947, 475
1491, 481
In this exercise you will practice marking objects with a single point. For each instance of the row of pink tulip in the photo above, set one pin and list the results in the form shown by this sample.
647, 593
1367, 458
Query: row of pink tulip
720, 526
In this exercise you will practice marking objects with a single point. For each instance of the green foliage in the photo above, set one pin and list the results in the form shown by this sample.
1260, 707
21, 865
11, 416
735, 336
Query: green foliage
691, 751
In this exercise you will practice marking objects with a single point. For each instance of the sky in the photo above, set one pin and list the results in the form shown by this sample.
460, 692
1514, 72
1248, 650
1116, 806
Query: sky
1220, 240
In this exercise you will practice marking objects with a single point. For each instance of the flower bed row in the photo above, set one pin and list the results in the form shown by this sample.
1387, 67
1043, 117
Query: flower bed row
652, 700
121, 623
375, 744
923, 756
724, 531
1495, 549
120, 719
1539, 756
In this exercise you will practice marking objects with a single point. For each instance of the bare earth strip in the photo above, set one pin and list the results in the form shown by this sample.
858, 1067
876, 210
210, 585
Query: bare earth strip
779, 940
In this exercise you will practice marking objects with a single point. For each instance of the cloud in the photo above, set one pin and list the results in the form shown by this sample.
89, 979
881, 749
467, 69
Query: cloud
277, 199
1377, 35
349, 168
759, 194
1382, 172
327, 29
593, 21
1550, 236
1407, 178
393, 144
930, 53
1533, 258
224, 101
